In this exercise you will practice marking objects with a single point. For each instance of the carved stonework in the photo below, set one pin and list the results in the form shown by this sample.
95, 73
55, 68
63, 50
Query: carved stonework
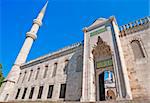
101, 49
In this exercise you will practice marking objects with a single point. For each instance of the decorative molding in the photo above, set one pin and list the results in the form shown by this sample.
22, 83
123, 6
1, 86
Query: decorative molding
92, 27
7, 80
135, 38
37, 21
98, 31
101, 49
32, 35
104, 63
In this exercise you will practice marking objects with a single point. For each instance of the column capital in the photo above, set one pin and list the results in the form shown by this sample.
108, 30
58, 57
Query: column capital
111, 18
32, 35
84, 29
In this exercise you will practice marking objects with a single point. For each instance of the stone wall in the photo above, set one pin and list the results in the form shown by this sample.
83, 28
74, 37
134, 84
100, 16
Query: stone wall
74, 77
138, 69
60, 78
121, 101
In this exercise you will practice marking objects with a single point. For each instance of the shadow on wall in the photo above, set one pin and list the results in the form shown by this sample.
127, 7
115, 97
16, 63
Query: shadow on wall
74, 69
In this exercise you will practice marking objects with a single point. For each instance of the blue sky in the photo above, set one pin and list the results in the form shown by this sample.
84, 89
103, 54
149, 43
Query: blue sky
62, 24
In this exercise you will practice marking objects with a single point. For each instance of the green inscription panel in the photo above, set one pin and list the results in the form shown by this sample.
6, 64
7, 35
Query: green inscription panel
102, 64
97, 31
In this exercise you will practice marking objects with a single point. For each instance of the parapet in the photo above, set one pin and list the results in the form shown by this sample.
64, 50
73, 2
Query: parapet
135, 26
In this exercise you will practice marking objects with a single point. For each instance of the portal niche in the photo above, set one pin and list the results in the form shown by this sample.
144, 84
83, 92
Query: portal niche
105, 77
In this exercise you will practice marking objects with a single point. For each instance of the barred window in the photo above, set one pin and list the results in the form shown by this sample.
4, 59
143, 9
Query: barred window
31, 93
24, 93
50, 91
17, 94
62, 91
40, 92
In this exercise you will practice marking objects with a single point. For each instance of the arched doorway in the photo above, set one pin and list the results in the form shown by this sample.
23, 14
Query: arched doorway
101, 87
104, 70
105, 81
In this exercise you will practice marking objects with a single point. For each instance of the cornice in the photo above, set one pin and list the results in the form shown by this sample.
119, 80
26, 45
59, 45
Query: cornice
50, 56
105, 22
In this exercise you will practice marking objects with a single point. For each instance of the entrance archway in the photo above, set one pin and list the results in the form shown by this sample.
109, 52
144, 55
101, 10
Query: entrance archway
104, 70
105, 82
101, 87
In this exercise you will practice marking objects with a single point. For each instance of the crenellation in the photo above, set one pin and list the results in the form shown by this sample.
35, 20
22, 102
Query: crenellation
135, 26
137, 68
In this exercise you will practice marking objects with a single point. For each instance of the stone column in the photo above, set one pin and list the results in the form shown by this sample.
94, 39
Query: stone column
92, 78
85, 66
115, 66
88, 85
123, 65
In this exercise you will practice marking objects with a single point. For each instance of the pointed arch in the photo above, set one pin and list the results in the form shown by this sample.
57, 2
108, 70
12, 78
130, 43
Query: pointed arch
65, 70
137, 49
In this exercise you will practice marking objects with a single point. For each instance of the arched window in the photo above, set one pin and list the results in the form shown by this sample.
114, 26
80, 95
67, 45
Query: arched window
6, 97
66, 66
137, 49
54, 69
19, 77
37, 73
79, 63
24, 76
45, 71
30, 75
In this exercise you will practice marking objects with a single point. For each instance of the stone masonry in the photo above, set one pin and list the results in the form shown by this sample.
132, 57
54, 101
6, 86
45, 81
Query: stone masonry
77, 73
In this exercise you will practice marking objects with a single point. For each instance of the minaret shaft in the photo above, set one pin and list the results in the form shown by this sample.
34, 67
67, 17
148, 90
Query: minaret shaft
30, 37
8, 85
21, 58
34, 28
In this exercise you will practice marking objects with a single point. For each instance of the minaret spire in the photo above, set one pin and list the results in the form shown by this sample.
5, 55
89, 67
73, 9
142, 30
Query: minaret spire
41, 14
44, 8
12, 78
37, 22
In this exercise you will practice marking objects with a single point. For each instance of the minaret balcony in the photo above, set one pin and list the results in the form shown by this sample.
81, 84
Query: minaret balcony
32, 35
37, 21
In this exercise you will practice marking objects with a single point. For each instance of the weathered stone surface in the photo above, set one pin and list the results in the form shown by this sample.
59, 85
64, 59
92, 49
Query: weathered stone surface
123, 101
138, 69
72, 77
75, 66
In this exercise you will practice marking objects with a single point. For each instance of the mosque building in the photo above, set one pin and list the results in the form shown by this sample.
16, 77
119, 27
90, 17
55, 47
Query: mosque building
113, 63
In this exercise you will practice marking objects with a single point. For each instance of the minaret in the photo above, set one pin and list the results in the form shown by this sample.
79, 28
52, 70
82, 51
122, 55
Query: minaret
13, 75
